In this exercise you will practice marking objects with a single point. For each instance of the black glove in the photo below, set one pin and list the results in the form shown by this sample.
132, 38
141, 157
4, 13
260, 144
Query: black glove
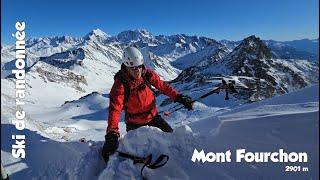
186, 101
110, 145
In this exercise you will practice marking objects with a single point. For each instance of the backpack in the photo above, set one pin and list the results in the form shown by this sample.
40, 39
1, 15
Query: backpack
127, 90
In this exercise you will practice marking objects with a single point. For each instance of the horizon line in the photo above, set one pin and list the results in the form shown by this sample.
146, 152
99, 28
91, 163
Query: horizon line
187, 34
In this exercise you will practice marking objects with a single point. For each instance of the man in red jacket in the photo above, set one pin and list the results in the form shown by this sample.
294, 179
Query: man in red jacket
132, 92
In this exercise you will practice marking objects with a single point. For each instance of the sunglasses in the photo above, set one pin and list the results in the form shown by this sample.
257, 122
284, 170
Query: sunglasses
136, 67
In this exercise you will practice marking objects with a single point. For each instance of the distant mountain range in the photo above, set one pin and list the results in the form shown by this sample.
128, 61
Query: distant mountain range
88, 64
307, 49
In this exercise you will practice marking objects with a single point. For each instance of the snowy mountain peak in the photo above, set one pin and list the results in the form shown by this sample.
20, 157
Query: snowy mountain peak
144, 32
172, 39
98, 32
98, 35
140, 32
253, 65
52, 41
135, 36
251, 41
253, 45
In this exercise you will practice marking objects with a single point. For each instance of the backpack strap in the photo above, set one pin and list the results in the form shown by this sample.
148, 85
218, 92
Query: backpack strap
127, 90
146, 77
125, 85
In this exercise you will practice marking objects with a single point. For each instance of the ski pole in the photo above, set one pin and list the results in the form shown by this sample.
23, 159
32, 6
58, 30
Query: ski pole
223, 85
216, 90
201, 97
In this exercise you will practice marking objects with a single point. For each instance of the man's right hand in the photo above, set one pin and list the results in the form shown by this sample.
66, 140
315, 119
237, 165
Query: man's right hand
110, 145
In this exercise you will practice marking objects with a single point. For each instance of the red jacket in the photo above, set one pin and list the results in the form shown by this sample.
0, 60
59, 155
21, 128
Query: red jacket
140, 106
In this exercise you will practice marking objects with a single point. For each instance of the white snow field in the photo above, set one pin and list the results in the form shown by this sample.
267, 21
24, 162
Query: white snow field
53, 149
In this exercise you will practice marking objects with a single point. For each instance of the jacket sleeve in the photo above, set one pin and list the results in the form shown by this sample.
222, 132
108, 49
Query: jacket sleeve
162, 86
115, 106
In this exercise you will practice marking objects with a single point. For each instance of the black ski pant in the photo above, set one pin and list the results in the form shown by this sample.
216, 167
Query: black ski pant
157, 121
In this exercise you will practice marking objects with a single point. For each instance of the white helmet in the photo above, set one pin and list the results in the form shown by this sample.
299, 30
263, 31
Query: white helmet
132, 57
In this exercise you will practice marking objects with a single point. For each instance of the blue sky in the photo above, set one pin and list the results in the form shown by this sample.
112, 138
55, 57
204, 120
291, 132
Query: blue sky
218, 19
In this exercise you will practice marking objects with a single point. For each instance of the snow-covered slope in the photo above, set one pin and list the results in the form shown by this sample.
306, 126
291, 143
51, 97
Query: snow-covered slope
202, 57
36, 48
176, 46
160, 64
7, 54
289, 122
282, 122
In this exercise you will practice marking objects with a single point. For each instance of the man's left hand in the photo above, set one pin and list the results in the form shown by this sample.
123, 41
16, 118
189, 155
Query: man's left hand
186, 101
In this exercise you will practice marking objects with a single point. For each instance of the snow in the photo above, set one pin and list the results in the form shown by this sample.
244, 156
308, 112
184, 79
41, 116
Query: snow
259, 127
282, 122
98, 32
199, 58
62, 109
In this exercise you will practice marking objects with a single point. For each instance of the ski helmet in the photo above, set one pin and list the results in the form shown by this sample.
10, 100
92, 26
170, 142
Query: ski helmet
132, 57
